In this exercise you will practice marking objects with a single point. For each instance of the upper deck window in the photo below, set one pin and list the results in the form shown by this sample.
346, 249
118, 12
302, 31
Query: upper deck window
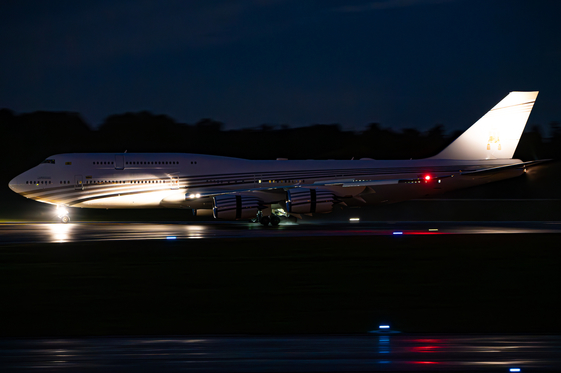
51, 161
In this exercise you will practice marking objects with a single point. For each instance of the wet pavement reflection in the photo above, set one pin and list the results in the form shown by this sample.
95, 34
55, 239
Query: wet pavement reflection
74, 232
496, 353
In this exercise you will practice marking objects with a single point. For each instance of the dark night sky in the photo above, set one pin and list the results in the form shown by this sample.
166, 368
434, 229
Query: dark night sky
403, 63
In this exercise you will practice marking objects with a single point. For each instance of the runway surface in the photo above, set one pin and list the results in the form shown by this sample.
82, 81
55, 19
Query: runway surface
81, 232
375, 352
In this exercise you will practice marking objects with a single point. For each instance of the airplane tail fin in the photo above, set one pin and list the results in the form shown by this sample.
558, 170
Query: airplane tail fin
497, 133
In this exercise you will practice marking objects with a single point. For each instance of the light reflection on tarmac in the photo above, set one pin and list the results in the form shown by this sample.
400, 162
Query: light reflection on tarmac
81, 232
494, 353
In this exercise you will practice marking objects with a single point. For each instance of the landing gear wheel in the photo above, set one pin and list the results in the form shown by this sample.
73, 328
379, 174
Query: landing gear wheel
265, 220
275, 220
65, 219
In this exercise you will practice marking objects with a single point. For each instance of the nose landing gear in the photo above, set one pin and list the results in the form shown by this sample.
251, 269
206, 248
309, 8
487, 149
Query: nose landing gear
62, 214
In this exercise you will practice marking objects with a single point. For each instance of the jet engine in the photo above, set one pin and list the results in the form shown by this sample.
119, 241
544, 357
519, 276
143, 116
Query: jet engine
308, 201
236, 207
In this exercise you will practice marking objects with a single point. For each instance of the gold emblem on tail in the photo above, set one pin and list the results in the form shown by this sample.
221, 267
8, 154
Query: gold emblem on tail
494, 139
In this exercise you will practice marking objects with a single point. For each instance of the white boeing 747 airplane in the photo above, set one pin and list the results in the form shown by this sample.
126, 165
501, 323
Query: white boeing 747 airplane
238, 189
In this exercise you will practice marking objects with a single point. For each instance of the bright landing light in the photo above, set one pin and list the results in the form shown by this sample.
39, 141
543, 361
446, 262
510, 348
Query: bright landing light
61, 211
384, 327
514, 370
354, 219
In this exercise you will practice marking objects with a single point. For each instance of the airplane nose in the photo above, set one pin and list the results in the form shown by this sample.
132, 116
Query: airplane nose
13, 184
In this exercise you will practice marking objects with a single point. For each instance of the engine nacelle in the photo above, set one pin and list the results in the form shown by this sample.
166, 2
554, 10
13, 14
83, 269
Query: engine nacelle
308, 201
236, 207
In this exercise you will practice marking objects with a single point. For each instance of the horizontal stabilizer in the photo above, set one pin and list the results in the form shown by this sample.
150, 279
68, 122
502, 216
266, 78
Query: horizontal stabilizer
521, 165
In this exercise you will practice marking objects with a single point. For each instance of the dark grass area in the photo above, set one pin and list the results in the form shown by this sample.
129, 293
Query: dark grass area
433, 283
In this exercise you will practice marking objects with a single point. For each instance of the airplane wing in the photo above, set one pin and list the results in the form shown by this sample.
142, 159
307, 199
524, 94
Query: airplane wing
371, 183
213, 193
351, 183
340, 183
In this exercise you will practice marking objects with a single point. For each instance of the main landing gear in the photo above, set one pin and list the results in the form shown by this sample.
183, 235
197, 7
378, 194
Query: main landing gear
272, 219
62, 214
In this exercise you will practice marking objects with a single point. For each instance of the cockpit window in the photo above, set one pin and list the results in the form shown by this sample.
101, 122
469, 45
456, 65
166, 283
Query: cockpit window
52, 161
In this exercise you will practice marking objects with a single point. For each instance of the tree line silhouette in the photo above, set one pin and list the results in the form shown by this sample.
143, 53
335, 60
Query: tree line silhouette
29, 138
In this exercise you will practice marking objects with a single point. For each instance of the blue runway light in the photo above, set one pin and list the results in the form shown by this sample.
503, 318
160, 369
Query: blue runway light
514, 370
171, 237
384, 327
396, 233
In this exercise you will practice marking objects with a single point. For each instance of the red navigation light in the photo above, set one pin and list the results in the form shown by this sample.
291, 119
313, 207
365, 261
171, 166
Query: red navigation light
428, 177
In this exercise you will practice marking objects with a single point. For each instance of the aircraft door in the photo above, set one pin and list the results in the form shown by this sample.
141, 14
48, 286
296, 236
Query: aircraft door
174, 180
119, 162
78, 182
